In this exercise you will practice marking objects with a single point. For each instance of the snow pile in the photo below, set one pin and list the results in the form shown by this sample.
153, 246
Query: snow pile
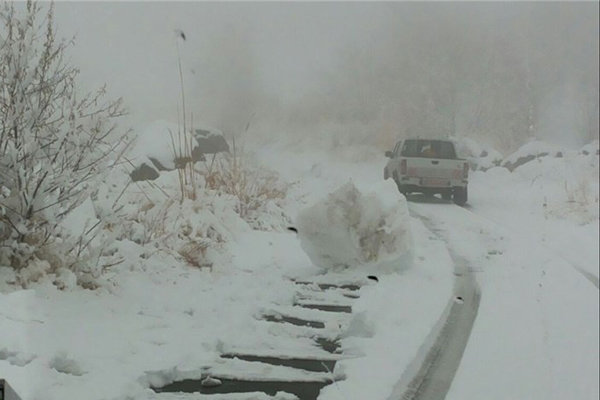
530, 151
480, 157
553, 199
563, 187
350, 228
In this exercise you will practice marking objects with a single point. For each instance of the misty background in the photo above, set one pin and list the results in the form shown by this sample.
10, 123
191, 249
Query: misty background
351, 73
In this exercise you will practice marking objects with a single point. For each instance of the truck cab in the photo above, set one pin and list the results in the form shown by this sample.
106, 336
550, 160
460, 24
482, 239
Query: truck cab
428, 166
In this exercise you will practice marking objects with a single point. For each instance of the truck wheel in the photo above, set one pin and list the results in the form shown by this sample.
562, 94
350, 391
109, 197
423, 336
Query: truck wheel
460, 196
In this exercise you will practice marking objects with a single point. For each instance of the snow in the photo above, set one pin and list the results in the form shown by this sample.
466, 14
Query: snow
552, 201
349, 229
80, 219
481, 157
535, 149
537, 320
390, 321
155, 319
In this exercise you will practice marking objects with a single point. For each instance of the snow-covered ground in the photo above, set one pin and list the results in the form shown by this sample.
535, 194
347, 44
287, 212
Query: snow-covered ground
526, 234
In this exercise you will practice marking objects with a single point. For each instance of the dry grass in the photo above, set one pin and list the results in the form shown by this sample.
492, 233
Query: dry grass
194, 253
251, 185
581, 203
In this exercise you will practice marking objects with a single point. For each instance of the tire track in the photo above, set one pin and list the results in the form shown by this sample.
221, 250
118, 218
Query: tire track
431, 373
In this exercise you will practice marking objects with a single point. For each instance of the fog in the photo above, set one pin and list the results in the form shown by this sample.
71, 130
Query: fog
356, 72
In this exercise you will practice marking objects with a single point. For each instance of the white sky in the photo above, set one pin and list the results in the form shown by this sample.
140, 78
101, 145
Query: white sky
246, 57
131, 46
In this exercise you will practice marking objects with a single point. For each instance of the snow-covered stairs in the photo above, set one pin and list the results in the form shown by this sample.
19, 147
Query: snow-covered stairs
321, 311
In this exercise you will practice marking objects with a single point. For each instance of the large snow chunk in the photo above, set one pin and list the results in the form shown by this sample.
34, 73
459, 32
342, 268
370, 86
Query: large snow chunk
350, 228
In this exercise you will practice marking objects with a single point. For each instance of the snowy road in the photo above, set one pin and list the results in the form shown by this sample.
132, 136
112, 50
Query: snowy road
437, 371
537, 321
434, 368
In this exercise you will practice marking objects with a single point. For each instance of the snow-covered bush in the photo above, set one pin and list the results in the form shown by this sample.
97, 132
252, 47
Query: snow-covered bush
194, 230
54, 144
350, 228
197, 229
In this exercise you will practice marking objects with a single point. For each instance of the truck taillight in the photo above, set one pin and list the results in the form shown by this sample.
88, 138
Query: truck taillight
465, 170
403, 167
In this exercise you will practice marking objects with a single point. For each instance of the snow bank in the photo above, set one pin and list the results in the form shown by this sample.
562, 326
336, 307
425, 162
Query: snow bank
530, 151
554, 199
350, 228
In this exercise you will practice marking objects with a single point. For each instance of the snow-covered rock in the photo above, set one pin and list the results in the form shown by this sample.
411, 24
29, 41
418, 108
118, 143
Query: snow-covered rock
530, 151
159, 146
590, 149
349, 228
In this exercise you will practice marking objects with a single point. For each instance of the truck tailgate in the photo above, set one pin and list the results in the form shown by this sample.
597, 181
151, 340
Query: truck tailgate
434, 168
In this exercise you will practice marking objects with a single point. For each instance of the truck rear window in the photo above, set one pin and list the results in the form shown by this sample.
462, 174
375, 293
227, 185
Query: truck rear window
428, 149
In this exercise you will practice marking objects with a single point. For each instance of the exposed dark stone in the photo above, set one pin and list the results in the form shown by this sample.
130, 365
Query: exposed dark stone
328, 307
209, 142
144, 173
524, 160
304, 390
158, 165
206, 142
181, 162
325, 286
294, 321
520, 161
329, 345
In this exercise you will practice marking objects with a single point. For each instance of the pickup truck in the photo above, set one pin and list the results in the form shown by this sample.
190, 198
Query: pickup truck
428, 166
